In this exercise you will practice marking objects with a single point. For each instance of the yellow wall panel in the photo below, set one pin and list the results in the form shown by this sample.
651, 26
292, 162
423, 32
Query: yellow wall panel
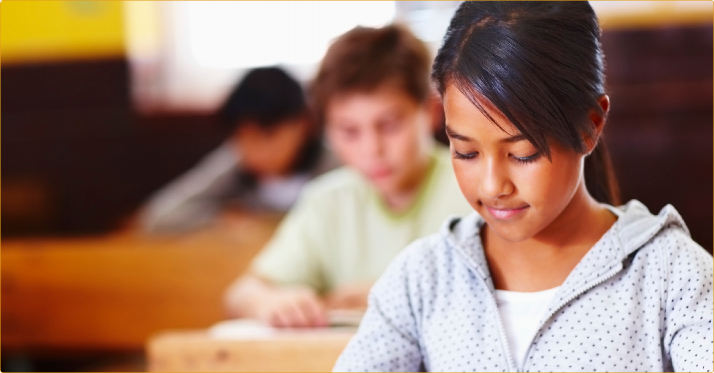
60, 30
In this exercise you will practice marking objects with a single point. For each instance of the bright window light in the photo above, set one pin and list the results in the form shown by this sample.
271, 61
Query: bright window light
243, 34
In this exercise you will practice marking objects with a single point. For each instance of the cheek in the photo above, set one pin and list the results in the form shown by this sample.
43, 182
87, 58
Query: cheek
249, 146
286, 152
535, 183
551, 186
400, 145
348, 151
338, 144
292, 141
405, 145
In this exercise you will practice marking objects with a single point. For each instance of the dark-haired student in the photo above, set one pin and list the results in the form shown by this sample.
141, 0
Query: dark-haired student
274, 148
551, 276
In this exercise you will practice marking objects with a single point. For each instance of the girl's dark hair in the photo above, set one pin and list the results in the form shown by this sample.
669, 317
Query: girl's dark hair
541, 65
266, 96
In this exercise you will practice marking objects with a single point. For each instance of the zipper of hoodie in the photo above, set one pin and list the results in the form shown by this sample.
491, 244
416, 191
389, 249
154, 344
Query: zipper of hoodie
603, 278
504, 337
501, 329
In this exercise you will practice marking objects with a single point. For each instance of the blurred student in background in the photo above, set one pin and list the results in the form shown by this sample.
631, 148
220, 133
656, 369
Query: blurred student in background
374, 96
273, 150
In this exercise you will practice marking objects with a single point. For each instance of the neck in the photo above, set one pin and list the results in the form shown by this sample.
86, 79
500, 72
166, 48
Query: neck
545, 260
583, 221
401, 198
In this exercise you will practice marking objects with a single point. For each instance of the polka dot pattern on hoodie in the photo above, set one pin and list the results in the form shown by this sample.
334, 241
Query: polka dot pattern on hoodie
640, 300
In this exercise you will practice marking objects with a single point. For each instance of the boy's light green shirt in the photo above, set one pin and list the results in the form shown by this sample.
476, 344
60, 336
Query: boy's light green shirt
339, 232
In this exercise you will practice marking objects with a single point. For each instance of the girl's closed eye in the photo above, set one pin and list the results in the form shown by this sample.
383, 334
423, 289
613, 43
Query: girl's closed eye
529, 159
464, 156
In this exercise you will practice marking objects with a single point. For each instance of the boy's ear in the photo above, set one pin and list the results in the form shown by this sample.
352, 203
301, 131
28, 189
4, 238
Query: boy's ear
598, 122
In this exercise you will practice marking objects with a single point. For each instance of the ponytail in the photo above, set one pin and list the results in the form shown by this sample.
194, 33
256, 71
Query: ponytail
600, 177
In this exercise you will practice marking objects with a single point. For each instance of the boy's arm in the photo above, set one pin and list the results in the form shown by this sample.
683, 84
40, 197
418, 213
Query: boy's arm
387, 339
349, 296
688, 331
253, 297
282, 284
196, 197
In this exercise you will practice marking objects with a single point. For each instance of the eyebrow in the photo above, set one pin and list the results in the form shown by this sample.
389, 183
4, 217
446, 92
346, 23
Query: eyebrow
457, 136
514, 138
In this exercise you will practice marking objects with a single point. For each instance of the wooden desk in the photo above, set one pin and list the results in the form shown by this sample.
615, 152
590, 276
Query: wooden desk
185, 351
113, 292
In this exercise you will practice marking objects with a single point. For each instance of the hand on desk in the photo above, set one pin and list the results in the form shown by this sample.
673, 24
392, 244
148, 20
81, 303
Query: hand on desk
352, 296
293, 306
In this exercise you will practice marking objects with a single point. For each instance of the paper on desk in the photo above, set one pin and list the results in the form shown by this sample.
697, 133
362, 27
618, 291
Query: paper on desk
345, 317
242, 329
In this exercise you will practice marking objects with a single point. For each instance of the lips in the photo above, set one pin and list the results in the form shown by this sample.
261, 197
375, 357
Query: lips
379, 173
506, 213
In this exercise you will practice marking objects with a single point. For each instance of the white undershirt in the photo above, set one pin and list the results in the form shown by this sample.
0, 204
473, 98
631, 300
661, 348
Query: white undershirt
521, 313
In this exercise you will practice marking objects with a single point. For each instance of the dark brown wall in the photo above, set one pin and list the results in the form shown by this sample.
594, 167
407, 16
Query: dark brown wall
70, 128
77, 159
660, 126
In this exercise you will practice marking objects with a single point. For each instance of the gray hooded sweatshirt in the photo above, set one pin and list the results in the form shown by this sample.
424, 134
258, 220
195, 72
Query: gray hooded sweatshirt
639, 300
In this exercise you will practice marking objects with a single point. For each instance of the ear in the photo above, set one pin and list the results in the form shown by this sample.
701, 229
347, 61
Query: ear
598, 122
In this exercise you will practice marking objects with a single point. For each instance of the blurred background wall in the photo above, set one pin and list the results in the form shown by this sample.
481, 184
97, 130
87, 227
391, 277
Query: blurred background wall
104, 102
79, 158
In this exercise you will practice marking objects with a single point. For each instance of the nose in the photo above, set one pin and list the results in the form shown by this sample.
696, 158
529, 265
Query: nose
373, 145
495, 182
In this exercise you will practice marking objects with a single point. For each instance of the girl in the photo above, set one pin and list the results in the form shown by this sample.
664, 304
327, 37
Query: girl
550, 276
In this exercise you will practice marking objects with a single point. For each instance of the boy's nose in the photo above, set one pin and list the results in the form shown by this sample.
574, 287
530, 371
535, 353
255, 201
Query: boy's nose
374, 145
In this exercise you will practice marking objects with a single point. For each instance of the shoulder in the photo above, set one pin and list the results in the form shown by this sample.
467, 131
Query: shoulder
429, 258
684, 260
427, 253
222, 158
665, 233
662, 244
429, 269
337, 186
408, 283
421, 258
335, 181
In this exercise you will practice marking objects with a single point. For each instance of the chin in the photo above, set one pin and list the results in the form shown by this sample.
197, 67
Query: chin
389, 185
512, 233
383, 185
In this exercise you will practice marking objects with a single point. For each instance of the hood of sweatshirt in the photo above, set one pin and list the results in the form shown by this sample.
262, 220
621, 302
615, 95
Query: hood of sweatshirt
635, 226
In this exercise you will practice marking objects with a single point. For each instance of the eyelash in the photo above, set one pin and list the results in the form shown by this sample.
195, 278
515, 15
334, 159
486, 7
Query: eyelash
524, 160
528, 159
458, 155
